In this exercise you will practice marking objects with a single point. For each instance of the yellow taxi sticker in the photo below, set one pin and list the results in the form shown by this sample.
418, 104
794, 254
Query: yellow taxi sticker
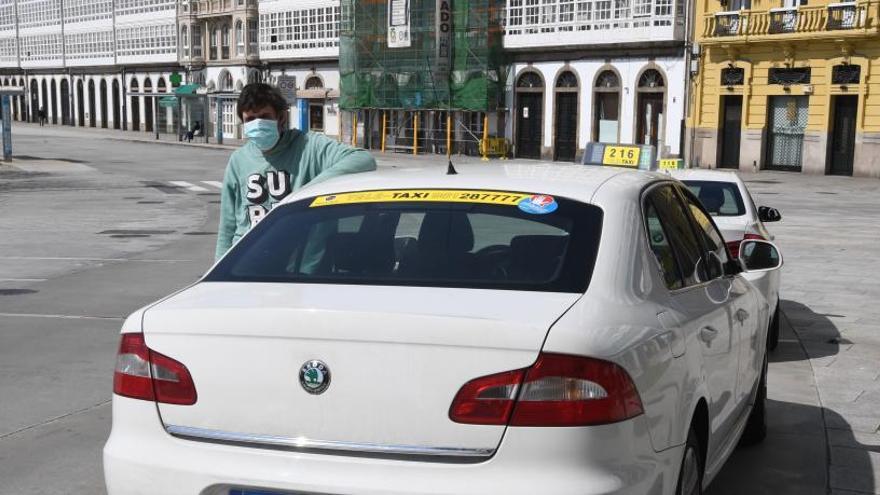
430, 195
624, 156
669, 164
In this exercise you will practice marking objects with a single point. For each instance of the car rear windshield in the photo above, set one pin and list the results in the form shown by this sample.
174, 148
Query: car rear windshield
477, 239
719, 198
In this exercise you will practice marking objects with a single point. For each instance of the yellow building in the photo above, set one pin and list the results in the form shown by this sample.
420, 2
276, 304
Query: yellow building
787, 84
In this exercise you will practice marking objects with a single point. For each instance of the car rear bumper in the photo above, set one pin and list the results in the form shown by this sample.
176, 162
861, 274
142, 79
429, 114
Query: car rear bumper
141, 458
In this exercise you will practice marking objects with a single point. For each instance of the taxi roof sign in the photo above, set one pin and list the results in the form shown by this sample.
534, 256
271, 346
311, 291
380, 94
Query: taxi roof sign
620, 155
633, 156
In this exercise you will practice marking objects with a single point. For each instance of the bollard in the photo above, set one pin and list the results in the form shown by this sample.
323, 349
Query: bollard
448, 134
354, 129
485, 138
416, 133
7, 128
384, 128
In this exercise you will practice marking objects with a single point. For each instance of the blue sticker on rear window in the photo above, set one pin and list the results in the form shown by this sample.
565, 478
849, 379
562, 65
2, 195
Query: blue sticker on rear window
538, 204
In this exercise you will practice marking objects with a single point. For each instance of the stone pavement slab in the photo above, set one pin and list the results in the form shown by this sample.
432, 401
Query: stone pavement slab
829, 237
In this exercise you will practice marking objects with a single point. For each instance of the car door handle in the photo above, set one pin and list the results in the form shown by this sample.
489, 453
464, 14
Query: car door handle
708, 334
742, 315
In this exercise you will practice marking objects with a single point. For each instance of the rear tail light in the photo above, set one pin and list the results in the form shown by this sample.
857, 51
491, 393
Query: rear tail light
142, 373
733, 246
558, 390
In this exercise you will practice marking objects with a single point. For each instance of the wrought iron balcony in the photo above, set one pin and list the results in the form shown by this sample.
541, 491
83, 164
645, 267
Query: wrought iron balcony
847, 19
783, 20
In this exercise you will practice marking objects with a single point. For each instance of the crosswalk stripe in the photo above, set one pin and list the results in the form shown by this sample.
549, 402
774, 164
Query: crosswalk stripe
187, 185
215, 183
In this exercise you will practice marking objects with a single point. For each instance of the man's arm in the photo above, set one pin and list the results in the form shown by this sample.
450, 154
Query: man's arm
228, 204
334, 158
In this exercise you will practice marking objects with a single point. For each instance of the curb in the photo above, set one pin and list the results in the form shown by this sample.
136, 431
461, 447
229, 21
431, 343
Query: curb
227, 147
131, 139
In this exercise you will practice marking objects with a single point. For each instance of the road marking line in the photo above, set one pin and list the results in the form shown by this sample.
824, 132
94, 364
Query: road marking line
23, 279
64, 317
40, 258
55, 419
215, 183
187, 185
162, 187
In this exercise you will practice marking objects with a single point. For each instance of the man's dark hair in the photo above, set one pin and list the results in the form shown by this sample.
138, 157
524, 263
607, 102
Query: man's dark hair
258, 95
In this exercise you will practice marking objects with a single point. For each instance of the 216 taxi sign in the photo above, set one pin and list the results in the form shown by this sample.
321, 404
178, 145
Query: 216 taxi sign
624, 156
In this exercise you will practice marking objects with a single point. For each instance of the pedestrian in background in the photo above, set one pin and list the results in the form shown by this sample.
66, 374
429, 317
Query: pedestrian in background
42, 116
275, 162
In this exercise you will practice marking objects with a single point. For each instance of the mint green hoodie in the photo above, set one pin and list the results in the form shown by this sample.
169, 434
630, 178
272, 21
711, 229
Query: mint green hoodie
255, 182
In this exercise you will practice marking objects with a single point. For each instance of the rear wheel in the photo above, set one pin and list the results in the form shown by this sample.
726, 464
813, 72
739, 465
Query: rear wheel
773, 333
756, 428
690, 477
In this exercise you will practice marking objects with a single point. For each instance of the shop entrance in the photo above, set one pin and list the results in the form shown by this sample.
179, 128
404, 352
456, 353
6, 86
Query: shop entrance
529, 113
565, 145
731, 131
788, 121
843, 135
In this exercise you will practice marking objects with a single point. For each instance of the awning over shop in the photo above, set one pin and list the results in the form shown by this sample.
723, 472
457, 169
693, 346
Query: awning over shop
187, 89
317, 93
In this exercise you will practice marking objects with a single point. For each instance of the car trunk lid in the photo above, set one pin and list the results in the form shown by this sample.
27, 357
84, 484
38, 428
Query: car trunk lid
396, 358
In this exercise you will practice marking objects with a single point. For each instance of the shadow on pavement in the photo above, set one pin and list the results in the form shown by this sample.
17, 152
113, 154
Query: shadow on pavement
816, 333
793, 459
800, 454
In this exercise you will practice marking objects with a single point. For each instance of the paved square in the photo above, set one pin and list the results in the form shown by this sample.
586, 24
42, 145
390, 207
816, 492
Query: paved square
94, 228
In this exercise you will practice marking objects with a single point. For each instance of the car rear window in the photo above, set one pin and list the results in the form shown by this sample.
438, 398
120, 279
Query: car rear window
719, 198
467, 239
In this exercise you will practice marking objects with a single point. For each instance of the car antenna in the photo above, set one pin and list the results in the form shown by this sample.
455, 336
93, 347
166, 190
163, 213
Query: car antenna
450, 170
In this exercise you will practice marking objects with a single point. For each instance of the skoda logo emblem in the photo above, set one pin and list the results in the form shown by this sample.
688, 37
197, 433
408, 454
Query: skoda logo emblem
314, 376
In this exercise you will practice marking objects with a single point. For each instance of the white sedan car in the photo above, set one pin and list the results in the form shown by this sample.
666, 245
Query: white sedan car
726, 198
510, 329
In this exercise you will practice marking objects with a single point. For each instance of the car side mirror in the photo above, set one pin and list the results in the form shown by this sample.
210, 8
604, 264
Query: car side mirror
757, 256
733, 267
767, 214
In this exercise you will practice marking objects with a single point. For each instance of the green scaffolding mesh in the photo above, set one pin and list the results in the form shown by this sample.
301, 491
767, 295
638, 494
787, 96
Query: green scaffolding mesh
376, 76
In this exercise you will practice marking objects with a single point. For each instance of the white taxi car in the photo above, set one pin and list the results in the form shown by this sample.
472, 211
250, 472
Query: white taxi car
726, 197
510, 329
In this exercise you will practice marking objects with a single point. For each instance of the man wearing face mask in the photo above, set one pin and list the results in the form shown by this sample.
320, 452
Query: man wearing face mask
275, 162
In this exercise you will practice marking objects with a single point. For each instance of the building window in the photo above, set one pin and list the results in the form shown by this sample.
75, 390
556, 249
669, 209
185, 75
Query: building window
650, 102
651, 78
184, 43
530, 80
146, 40
567, 80
316, 116
314, 82
846, 74
239, 39
224, 42
606, 109
225, 81
789, 76
733, 76
136, 7
299, 29
663, 8
197, 41
212, 41
253, 41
